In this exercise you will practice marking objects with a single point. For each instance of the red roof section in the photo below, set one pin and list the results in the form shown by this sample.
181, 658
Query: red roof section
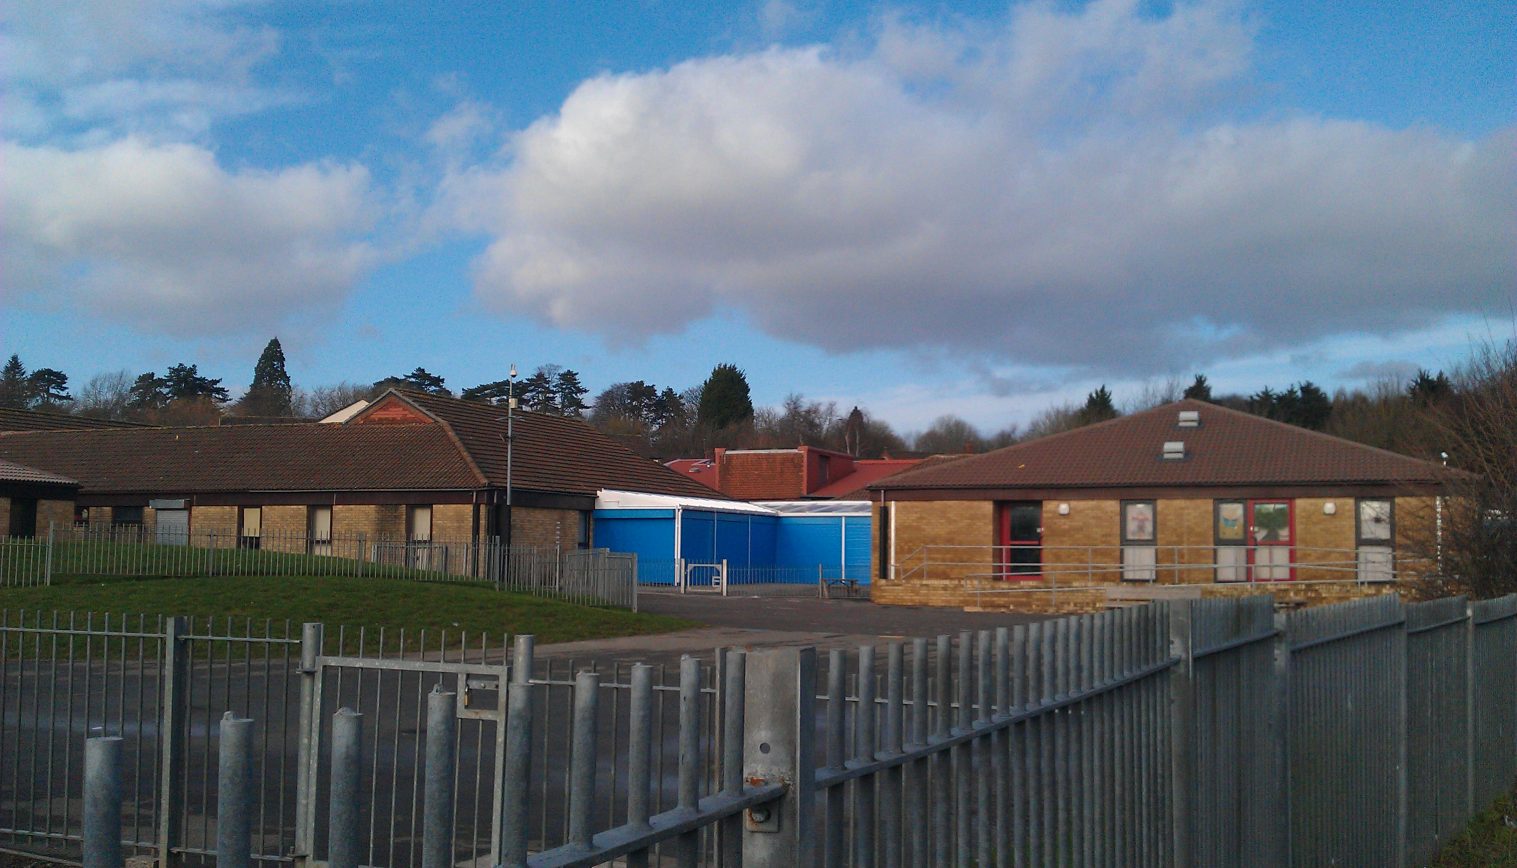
1229, 447
865, 472
702, 470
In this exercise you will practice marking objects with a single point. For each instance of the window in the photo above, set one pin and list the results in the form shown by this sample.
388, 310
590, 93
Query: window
81, 514
1374, 533
1139, 534
1230, 534
126, 515
584, 530
319, 530
23, 517
250, 527
419, 523
882, 559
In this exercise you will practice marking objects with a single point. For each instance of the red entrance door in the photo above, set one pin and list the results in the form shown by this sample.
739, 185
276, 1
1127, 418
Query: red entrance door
1271, 540
1020, 534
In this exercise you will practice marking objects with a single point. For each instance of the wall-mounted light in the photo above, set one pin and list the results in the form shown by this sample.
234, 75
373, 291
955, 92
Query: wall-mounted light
1329, 508
1063, 509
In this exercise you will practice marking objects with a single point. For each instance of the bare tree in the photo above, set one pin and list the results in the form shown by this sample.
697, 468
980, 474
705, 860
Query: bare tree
105, 396
949, 435
323, 401
1479, 423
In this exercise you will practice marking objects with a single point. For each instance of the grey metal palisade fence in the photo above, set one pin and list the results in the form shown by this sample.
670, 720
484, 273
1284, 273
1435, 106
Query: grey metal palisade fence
591, 576
1214, 732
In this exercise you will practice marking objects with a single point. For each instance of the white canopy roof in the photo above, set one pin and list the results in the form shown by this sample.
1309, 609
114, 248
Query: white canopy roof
608, 498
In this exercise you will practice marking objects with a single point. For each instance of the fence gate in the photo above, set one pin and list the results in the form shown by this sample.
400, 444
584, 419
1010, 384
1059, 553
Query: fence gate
391, 694
705, 578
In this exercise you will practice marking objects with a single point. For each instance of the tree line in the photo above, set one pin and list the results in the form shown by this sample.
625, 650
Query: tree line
665, 421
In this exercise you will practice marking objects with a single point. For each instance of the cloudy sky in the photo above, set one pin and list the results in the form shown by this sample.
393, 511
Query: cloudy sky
921, 208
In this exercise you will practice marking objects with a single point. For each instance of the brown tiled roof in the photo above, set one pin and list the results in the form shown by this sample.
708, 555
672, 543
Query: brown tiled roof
1229, 448
551, 454
13, 472
41, 420
248, 458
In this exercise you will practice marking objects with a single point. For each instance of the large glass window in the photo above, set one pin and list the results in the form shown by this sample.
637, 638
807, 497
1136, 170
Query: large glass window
1231, 539
1374, 532
250, 527
1139, 535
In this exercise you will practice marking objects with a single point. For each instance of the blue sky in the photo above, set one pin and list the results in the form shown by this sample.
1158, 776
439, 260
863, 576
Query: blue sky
970, 208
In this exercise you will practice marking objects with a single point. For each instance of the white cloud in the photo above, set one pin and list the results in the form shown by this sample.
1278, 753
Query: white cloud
164, 237
93, 70
1069, 191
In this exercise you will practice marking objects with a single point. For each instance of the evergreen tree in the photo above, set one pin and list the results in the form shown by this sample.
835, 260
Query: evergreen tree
183, 382
1098, 407
536, 393
420, 379
49, 387
149, 392
1200, 390
569, 393
725, 398
270, 392
488, 393
1427, 389
15, 385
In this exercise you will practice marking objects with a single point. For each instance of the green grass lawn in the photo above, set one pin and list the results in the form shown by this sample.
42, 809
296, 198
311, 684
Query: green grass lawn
1491, 839
238, 601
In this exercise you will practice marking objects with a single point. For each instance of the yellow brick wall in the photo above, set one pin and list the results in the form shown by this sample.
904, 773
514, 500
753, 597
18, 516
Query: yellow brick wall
1186, 532
940, 524
372, 521
1416, 521
543, 528
218, 520
5, 515
59, 513
1075, 544
452, 522
284, 528
1325, 543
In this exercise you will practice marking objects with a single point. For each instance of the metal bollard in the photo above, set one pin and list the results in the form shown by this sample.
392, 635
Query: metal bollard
234, 794
102, 802
437, 831
344, 833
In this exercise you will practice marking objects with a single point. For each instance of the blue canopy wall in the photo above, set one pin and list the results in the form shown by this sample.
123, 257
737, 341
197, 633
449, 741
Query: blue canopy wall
759, 546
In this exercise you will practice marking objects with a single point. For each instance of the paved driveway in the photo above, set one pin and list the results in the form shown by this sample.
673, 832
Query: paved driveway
755, 621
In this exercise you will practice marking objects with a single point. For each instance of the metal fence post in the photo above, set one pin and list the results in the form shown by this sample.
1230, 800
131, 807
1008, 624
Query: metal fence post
1399, 657
172, 732
344, 832
312, 635
102, 803
234, 794
779, 723
1277, 799
437, 829
1470, 709
1182, 727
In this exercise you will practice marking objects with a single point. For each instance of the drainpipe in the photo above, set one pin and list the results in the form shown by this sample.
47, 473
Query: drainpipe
679, 512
